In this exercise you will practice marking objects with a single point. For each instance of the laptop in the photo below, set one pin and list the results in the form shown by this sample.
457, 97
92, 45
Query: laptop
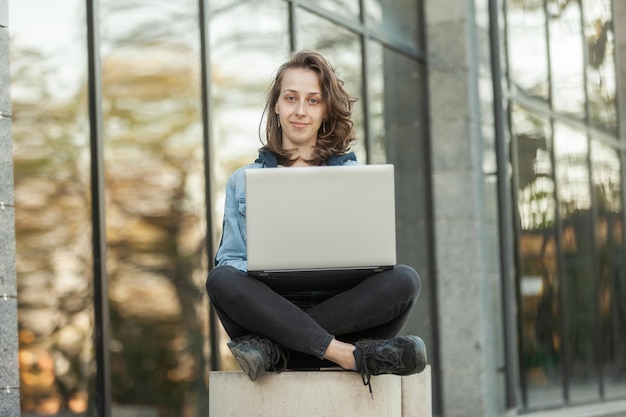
319, 228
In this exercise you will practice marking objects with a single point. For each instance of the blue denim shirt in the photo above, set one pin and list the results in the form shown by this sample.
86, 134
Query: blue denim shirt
232, 249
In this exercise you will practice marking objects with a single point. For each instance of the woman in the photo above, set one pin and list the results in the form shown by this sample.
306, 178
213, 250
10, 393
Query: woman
308, 124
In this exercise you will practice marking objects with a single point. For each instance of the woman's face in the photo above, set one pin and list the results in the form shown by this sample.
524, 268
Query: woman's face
300, 108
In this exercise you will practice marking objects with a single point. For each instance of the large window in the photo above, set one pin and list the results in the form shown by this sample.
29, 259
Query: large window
155, 216
568, 196
52, 197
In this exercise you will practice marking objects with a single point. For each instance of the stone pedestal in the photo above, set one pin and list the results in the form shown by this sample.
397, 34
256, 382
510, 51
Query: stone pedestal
324, 393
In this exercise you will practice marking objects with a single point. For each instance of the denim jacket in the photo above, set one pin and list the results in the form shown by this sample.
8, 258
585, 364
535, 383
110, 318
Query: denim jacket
232, 248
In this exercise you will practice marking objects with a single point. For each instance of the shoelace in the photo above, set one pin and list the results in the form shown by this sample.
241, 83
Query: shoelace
388, 360
365, 373
276, 355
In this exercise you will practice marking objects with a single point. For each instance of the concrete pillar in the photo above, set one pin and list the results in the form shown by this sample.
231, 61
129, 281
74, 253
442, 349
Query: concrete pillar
9, 370
466, 243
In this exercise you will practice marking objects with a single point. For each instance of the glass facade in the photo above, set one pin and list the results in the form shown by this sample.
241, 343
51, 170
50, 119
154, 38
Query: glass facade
155, 221
159, 221
568, 201
53, 223
183, 85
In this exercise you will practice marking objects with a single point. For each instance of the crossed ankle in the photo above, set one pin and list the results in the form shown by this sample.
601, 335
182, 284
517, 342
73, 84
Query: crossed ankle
403, 355
258, 355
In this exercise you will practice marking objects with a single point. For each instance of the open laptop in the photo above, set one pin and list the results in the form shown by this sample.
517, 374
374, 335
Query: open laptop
316, 228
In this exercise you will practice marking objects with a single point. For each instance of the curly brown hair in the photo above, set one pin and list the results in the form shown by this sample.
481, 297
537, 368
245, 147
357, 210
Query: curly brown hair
337, 139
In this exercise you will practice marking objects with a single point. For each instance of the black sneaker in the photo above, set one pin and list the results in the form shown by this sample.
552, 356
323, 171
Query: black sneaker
403, 355
257, 355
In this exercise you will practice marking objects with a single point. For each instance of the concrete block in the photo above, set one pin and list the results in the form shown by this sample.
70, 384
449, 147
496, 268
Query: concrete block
6, 163
452, 147
456, 195
467, 309
464, 392
9, 374
446, 11
9, 403
319, 394
448, 47
462, 345
5, 74
7, 252
417, 395
458, 247
449, 96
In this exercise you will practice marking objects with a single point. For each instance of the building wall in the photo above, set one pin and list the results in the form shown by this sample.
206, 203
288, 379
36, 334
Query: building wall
9, 370
464, 200
464, 205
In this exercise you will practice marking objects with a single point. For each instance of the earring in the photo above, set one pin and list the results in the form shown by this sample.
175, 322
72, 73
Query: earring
324, 126
278, 120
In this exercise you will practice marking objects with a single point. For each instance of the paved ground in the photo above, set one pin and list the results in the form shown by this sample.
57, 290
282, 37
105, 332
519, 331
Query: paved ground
605, 409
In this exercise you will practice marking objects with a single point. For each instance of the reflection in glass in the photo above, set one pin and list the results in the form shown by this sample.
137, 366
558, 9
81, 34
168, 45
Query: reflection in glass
612, 282
485, 87
53, 221
404, 143
398, 19
566, 58
398, 117
347, 8
539, 282
155, 207
376, 78
527, 49
404, 111
343, 49
572, 173
249, 41
571, 152
601, 79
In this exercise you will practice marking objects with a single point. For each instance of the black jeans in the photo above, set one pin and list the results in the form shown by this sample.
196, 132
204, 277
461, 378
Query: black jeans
306, 322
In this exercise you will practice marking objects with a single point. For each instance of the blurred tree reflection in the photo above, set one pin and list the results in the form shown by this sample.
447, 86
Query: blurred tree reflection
53, 243
155, 205
155, 231
155, 227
